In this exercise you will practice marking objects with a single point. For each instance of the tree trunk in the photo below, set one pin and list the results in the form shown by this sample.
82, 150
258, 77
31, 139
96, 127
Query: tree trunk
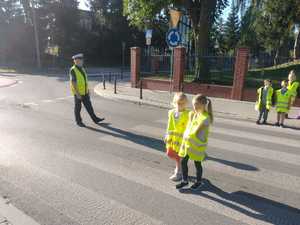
201, 28
297, 46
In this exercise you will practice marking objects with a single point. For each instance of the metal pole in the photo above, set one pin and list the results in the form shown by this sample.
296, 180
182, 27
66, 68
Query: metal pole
109, 77
36, 35
141, 89
115, 85
123, 59
171, 75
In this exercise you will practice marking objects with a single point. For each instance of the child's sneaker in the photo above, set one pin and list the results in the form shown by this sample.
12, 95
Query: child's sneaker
196, 186
182, 184
176, 177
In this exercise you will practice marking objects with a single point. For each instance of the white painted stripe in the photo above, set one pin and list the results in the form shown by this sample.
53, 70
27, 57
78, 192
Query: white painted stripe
234, 147
48, 100
247, 125
153, 178
256, 137
13, 215
255, 151
236, 134
253, 125
30, 103
272, 178
73, 200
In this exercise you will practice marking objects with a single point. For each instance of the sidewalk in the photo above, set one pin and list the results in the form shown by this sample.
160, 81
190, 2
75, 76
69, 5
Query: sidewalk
222, 107
6, 82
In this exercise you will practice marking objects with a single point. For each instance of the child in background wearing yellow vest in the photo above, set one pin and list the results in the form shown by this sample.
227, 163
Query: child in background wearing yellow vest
293, 88
283, 103
264, 101
195, 139
177, 122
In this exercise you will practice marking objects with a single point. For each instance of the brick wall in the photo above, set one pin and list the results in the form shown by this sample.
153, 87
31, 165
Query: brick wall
207, 89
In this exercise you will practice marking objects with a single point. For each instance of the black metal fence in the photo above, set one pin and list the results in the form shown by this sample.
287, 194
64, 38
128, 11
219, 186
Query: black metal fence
156, 63
267, 66
214, 68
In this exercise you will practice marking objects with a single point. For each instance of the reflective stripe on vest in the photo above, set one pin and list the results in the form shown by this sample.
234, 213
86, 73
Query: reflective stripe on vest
176, 128
282, 103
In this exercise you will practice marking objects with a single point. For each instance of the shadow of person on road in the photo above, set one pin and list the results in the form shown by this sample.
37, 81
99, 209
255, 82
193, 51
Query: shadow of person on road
249, 204
149, 142
157, 144
237, 165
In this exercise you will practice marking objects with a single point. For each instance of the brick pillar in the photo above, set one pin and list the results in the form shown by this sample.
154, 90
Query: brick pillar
240, 71
135, 61
178, 68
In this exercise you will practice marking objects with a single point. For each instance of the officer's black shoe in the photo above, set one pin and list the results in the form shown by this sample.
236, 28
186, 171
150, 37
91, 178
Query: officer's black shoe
98, 120
196, 186
182, 184
81, 124
264, 122
257, 122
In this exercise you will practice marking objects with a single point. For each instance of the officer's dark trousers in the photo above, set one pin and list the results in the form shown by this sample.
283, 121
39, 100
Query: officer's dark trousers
86, 101
185, 170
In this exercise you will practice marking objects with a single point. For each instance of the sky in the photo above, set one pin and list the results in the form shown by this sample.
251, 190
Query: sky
82, 5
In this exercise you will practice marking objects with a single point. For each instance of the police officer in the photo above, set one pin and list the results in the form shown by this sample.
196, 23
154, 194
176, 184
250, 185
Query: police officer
80, 90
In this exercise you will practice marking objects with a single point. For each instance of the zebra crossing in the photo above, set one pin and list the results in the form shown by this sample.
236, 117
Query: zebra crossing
252, 175
270, 178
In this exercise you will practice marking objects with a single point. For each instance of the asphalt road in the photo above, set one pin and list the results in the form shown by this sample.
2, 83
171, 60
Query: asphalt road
117, 173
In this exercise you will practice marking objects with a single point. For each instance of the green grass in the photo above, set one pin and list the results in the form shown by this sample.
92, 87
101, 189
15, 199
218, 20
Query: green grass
2, 70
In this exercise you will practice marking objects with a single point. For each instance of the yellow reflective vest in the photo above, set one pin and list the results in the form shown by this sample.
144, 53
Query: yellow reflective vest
293, 87
283, 101
195, 143
81, 82
177, 123
268, 100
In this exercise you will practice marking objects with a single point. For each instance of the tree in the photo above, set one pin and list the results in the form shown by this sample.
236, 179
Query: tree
274, 25
110, 29
143, 13
232, 30
217, 35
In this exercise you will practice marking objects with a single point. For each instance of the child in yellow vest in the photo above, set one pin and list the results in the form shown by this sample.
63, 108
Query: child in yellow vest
195, 139
177, 122
264, 101
283, 103
293, 87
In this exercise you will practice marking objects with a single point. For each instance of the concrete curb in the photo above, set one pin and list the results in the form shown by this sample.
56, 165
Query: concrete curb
135, 100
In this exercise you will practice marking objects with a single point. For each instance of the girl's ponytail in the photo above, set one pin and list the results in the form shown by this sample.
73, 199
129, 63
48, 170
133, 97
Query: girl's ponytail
210, 110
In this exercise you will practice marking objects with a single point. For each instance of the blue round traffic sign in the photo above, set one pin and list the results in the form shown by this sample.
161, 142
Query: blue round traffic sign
173, 38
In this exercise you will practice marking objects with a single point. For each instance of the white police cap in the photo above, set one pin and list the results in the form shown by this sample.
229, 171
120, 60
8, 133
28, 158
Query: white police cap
80, 55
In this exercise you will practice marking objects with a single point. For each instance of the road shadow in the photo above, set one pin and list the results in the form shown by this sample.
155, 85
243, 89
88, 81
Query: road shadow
249, 204
149, 142
236, 165
157, 144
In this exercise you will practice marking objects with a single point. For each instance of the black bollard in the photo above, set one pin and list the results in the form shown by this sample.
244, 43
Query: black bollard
141, 89
103, 82
115, 85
